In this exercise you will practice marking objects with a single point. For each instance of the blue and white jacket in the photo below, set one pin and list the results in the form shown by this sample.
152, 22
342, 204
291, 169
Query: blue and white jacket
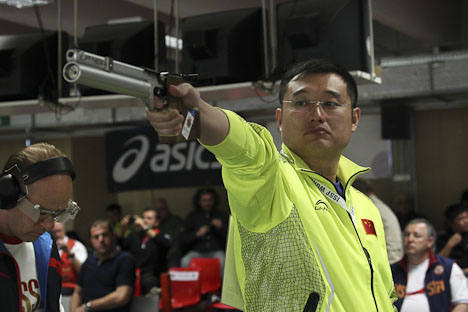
48, 268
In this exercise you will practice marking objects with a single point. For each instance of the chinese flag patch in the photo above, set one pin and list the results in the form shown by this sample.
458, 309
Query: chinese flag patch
369, 226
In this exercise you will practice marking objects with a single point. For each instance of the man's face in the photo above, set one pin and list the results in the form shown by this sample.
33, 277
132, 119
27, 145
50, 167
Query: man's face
316, 132
207, 202
416, 239
460, 223
161, 208
51, 193
403, 203
113, 216
150, 218
102, 240
58, 231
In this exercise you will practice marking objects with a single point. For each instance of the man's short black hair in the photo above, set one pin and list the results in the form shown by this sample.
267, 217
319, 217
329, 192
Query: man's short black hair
454, 211
150, 209
203, 191
318, 66
464, 198
114, 208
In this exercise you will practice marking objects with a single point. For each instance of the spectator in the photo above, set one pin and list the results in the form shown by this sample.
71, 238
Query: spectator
424, 281
453, 243
148, 246
205, 229
170, 226
464, 198
114, 215
72, 253
390, 222
106, 279
35, 190
404, 210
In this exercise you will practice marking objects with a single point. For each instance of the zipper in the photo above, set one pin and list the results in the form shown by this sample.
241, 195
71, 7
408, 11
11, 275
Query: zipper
369, 260
372, 276
366, 253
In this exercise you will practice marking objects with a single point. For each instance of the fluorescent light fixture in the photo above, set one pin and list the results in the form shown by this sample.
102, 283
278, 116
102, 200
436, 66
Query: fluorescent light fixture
24, 3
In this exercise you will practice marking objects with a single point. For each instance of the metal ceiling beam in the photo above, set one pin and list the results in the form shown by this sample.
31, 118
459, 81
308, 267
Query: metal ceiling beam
420, 76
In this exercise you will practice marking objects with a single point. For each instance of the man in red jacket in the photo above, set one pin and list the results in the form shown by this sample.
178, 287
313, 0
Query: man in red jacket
72, 253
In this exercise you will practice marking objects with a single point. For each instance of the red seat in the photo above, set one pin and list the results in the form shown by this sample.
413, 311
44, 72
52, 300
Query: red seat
137, 286
185, 287
210, 279
222, 306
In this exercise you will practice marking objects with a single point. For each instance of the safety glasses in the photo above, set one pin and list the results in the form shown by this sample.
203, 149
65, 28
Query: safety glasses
38, 214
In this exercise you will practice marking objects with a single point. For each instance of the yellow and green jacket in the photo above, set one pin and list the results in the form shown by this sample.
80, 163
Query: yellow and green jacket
294, 245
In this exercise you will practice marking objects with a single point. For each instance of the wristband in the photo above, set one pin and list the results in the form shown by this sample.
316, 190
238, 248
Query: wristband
88, 306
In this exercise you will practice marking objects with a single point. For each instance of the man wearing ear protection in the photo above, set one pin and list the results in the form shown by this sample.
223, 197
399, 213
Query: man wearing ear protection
302, 238
35, 191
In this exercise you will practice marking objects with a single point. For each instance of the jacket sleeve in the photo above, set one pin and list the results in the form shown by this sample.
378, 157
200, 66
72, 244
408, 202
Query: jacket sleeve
250, 163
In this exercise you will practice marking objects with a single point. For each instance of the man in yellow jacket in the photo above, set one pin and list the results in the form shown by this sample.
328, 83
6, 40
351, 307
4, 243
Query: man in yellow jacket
303, 239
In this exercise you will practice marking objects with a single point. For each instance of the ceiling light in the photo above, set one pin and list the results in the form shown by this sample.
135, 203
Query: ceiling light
23, 3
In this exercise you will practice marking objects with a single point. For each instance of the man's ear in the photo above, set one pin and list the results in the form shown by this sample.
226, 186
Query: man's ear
279, 115
431, 242
355, 117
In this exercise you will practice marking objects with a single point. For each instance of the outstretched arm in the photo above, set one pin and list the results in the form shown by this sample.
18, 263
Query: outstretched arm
214, 123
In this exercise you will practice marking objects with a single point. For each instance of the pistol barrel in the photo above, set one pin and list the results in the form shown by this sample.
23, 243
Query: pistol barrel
74, 72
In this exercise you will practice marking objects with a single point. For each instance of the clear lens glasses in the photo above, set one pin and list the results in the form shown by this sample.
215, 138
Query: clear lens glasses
62, 215
37, 214
308, 105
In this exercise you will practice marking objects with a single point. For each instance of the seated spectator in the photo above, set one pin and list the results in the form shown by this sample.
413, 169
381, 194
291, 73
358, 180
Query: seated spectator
404, 210
106, 279
453, 242
425, 281
464, 198
390, 221
170, 226
148, 246
72, 253
205, 229
114, 215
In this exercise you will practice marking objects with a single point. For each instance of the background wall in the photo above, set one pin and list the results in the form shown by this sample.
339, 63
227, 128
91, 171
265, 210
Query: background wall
441, 145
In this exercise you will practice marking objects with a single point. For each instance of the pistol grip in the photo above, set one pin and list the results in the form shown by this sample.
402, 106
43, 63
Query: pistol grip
191, 124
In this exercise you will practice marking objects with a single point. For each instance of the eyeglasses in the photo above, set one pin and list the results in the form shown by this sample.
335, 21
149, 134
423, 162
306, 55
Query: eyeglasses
38, 214
306, 105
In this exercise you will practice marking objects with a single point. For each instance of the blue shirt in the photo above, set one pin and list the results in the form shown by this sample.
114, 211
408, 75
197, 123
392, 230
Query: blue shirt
98, 279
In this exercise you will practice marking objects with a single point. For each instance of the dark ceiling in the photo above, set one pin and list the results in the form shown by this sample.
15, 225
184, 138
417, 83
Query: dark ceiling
401, 27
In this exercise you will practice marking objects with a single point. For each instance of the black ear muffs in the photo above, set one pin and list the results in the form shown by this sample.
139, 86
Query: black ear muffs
13, 182
9, 190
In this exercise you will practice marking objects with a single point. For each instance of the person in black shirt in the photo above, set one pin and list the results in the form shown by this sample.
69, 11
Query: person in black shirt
205, 229
453, 243
106, 278
170, 225
148, 246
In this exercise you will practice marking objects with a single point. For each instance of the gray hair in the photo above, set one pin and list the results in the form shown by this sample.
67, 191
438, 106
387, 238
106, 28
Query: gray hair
430, 229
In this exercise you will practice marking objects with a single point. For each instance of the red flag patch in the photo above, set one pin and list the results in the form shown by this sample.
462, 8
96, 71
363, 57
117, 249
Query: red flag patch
369, 227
